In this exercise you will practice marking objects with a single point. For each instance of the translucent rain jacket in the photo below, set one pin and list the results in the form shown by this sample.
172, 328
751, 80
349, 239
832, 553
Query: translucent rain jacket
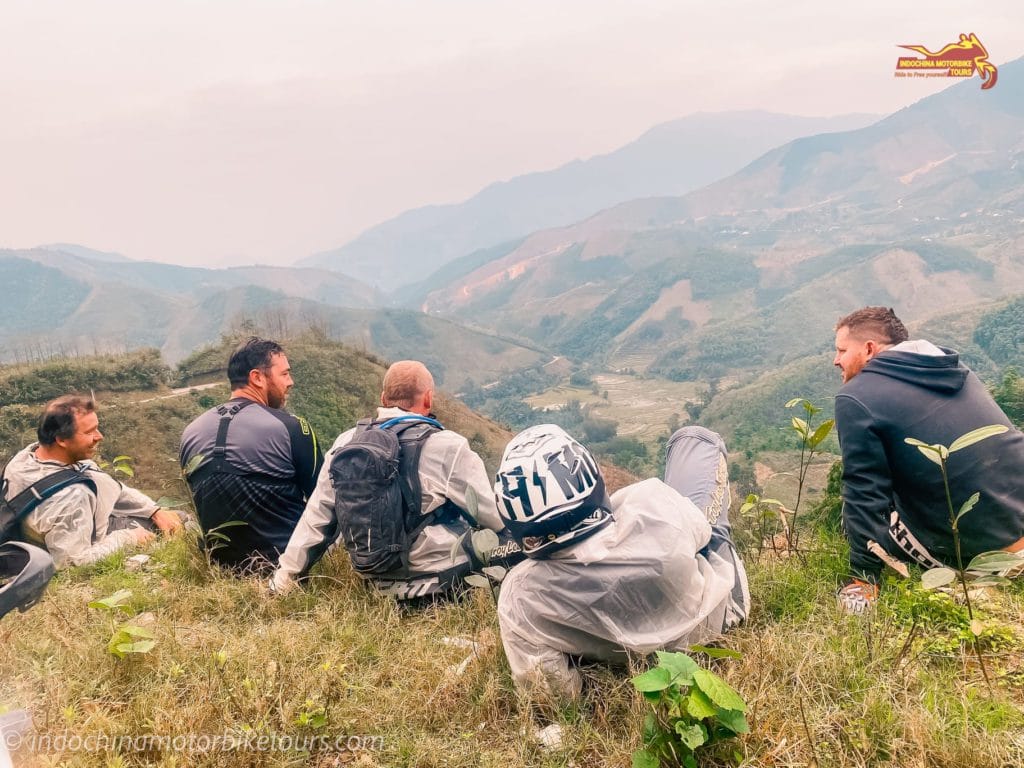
75, 525
647, 581
448, 468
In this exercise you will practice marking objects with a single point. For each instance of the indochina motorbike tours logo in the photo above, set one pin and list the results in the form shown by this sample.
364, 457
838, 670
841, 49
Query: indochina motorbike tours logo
960, 59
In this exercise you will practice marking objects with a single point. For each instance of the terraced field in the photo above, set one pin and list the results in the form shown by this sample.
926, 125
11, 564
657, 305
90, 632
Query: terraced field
643, 407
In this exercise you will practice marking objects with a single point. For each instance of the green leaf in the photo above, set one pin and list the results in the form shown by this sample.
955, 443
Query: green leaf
166, 502
193, 464
113, 602
657, 679
968, 505
716, 653
699, 705
692, 735
476, 580
719, 691
800, 426
229, 524
121, 459
456, 545
733, 720
994, 562
937, 577
644, 759
990, 581
772, 502
679, 665
746, 507
496, 572
794, 401
483, 542
140, 646
931, 452
134, 631
124, 469
821, 433
810, 407
651, 728
976, 436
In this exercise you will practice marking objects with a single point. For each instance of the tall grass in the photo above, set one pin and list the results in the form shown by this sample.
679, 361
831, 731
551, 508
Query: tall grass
893, 688
338, 660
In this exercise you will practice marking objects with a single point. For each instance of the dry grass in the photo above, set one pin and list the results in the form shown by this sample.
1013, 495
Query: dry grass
338, 660
229, 657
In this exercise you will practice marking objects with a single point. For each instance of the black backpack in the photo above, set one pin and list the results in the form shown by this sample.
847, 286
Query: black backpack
13, 511
377, 492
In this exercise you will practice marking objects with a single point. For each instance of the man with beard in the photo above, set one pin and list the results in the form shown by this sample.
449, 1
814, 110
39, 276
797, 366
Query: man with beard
85, 514
250, 464
894, 500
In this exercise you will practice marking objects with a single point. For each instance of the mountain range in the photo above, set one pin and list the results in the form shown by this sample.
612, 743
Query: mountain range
669, 159
57, 301
921, 210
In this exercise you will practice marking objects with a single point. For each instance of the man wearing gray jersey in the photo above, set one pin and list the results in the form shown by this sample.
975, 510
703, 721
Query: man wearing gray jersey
250, 461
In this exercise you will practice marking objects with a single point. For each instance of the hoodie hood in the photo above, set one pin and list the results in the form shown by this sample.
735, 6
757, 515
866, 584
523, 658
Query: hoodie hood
940, 373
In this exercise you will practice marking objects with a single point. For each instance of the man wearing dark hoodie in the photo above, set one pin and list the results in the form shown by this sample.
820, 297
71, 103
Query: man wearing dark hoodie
894, 502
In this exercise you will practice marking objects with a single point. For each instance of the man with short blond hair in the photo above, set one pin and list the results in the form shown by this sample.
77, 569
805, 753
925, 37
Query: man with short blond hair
894, 500
83, 521
440, 473
404, 383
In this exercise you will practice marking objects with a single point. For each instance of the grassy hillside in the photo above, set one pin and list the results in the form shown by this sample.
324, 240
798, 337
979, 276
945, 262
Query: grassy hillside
897, 688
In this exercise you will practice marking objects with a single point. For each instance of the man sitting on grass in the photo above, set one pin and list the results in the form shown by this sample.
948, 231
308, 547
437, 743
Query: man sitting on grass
401, 523
894, 500
83, 521
653, 567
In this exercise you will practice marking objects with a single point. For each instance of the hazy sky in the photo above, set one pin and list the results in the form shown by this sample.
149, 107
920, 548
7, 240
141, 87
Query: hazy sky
239, 131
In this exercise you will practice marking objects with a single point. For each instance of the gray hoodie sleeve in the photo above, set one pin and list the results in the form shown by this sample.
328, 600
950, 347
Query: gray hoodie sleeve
467, 471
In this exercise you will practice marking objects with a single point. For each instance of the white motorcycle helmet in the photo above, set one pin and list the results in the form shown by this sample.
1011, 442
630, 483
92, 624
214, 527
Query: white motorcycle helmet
549, 491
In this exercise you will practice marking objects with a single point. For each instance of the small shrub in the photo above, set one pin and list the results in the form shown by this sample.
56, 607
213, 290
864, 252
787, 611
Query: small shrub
691, 707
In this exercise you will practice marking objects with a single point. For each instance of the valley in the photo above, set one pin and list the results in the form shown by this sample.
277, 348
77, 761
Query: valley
643, 408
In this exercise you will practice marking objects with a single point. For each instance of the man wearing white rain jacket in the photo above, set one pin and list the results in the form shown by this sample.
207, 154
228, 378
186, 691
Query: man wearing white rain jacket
448, 471
647, 569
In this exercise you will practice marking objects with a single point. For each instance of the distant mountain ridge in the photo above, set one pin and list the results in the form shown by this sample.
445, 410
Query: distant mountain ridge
83, 252
53, 302
192, 282
669, 159
921, 210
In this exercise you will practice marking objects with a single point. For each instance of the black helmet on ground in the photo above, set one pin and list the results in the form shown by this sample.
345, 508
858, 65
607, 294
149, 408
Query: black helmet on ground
24, 573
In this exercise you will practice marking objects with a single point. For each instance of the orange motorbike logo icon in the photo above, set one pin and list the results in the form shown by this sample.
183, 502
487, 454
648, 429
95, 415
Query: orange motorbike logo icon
960, 59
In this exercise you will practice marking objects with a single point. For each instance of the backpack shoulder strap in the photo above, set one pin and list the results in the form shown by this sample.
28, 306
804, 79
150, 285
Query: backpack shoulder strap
412, 432
45, 487
227, 413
